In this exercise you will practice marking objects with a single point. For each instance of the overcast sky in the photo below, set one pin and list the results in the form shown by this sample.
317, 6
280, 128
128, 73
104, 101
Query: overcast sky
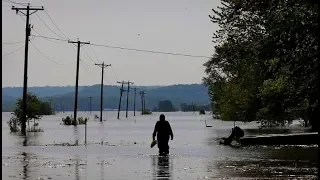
178, 26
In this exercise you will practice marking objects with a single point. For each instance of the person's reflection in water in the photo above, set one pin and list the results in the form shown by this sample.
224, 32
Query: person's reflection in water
162, 167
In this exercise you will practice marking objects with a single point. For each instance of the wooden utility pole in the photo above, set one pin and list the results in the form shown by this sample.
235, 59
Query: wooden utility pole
90, 103
50, 101
102, 66
144, 104
61, 106
134, 102
77, 79
128, 97
142, 93
25, 76
121, 91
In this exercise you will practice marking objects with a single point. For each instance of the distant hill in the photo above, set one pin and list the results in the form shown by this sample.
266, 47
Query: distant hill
63, 97
39, 91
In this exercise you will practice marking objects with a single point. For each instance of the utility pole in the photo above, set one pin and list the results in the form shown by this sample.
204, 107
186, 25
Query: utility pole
128, 97
25, 76
121, 91
144, 104
90, 103
50, 100
77, 79
102, 66
134, 102
142, 93
61, 106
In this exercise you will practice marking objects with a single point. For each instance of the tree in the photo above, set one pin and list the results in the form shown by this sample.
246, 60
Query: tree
166, 106
35, 110
45, 108
265, 63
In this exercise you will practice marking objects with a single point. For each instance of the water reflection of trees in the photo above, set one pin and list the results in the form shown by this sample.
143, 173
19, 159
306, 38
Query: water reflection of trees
162, 167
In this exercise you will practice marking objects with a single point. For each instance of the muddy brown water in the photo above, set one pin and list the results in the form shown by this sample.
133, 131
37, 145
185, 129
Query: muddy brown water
120, 149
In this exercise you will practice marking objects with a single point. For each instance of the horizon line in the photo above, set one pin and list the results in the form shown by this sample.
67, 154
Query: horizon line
99, 85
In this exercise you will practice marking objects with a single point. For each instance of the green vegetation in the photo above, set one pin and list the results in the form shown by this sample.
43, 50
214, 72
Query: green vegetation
202, 111
71, 121
192, 107
265, 62
147, 112
35, 110
166, 106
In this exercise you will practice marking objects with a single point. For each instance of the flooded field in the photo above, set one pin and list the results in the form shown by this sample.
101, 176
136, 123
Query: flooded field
120, 149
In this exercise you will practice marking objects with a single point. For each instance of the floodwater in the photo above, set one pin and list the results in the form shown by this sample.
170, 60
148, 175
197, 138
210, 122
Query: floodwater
120, 149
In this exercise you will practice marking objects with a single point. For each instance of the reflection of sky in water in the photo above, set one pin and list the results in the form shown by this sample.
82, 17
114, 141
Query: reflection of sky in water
125, 151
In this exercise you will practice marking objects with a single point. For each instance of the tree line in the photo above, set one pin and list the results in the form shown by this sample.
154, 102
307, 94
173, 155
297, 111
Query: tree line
265, 65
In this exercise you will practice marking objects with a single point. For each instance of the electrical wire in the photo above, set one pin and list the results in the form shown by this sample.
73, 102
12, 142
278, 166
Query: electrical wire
62, 40
89, 56
13, 42
95, 54
147, 51
48, 27
114, 73
47, 38
55, 24
13, 52
9, 1
47, 56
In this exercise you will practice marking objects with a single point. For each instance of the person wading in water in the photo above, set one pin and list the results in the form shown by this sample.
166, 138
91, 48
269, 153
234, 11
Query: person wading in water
163, 132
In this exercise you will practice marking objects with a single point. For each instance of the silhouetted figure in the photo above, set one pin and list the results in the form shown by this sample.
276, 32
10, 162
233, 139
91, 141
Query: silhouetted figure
235, 134
163, 131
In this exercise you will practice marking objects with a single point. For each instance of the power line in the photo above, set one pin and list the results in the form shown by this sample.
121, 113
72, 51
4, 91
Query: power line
9, 1
94, 53
13, 42
47, 56
114, 73
13, 51
111, 75
147, 51
89, 56
48, 26
49, 38
55, 24
84, 65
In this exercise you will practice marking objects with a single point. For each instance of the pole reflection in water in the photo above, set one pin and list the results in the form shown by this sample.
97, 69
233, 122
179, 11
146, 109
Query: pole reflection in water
77, 168
101, 132
25, 164
102, 169
76, 135
162, 167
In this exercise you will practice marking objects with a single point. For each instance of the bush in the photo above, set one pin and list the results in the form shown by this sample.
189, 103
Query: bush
71, 121
147, 111
202, 111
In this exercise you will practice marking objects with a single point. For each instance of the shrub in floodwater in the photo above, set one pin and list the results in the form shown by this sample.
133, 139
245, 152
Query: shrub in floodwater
14, 124
71, 121
202, 111
34, 112
147, 111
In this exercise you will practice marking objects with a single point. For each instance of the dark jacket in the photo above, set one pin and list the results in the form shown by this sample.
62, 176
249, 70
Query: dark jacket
163, 130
